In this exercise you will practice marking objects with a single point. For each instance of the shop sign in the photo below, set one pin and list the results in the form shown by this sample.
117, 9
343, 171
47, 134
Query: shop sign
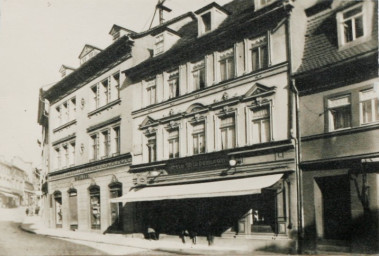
82, 177
202, 162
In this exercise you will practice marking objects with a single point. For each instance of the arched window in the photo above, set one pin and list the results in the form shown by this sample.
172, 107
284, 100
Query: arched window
58, 209
95, 209
73, 208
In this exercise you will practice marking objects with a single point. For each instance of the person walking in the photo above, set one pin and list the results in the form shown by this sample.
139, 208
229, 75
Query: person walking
151, 233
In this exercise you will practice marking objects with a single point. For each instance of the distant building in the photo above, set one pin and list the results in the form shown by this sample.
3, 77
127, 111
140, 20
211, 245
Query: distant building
16, 186
339, 120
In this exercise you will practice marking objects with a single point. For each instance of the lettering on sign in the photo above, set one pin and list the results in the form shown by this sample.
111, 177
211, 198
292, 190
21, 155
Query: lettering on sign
82, 177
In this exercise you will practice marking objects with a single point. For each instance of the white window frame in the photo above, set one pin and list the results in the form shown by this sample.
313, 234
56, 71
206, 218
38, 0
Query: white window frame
333, 104
173, 143
373, 98
159, 44
259, 43
197, 133
227, 57
197, 69
151, 92
173, 85
228, 128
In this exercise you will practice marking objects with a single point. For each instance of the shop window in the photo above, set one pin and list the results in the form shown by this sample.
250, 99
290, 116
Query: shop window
228, 133
115, 190
173, 84
95, 210
198, 75
339, 109
369, 106
259, 53
227, 65
198, 137
73, 208
261, 124
58, 209
152, 148
173, 143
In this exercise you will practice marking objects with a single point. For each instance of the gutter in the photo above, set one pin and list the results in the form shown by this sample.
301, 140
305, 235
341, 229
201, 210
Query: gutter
294, 124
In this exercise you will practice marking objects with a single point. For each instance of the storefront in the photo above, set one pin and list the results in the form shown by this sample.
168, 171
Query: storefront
232, 195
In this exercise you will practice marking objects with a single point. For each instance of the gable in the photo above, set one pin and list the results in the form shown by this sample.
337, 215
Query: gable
258, 89
147, 122
87, 49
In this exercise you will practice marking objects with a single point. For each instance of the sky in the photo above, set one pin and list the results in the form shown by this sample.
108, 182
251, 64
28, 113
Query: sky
38, 36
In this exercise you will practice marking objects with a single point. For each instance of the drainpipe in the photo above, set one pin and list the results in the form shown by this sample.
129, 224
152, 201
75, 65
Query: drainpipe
296, 140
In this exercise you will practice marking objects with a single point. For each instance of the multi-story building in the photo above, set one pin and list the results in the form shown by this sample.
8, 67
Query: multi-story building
339, 116
86, 137
16, 187
214, 145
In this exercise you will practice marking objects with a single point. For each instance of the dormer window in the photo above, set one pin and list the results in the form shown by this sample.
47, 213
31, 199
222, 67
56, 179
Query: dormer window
210, 17
88, 52
354, 23
261, 3
159, 44
206, 19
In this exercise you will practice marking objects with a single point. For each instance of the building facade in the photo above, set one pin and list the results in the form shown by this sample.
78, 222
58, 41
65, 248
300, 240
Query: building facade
86, 139
338, 84
214, 149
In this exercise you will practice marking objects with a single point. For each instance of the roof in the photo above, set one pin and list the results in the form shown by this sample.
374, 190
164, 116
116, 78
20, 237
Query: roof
88, 46
66, 67
321, 42
112, 55
209, 6
117, 27
236, 26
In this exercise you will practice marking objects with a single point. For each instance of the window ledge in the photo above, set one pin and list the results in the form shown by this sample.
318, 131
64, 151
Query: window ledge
64, 126
355, 43
362, 128
100, 109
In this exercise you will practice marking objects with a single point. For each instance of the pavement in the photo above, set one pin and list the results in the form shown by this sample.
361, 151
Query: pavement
33, 224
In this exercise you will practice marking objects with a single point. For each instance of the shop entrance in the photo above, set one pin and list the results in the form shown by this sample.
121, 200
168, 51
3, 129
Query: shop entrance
333, 206
73, 206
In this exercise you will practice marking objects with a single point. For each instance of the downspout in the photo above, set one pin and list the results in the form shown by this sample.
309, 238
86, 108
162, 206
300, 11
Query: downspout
296, 141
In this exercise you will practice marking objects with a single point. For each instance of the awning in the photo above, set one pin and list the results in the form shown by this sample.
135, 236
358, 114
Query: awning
234, 187
8, 194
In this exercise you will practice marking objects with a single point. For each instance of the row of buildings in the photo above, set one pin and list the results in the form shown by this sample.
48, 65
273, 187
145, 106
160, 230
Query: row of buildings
256, 121
18, 183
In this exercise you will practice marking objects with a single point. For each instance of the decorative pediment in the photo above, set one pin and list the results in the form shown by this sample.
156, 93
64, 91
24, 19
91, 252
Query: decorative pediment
226, 110
87, 49
172, 125
195, 108
150, 131
259, 89
64, 68
147, 122
197, 118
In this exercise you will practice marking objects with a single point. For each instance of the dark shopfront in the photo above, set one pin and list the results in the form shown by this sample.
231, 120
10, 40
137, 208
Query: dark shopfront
241, 201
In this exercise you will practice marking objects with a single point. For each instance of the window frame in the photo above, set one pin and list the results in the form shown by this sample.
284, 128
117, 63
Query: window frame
151, 98
227, 57
227, 129
197, 73
268, 117
173, 84
330, 119
173, 143
159, 44
197, 133
374, 102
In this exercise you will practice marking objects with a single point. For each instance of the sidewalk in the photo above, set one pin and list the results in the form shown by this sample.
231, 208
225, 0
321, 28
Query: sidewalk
33, 224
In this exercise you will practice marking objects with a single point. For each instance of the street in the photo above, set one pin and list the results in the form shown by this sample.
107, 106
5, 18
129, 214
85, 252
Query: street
16, 242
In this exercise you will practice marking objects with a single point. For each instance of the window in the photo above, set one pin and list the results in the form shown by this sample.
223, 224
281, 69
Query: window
59, 115
151, 92
152, 148
227, 67
95, 207
228, 136
71, 153
369, 106
198, 136
339, 112
105, 137
173, 144
58, 163
261, 124
65, 156
106, 92
352, 22
116, 86
66, 114
259, 54
58, 209
173, 84
116, 140
95, 96
94, 147
198, 75
206, 19
159, 44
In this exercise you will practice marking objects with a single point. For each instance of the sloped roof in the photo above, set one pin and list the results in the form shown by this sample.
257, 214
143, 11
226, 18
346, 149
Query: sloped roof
243, 21
321, 43
112, 55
